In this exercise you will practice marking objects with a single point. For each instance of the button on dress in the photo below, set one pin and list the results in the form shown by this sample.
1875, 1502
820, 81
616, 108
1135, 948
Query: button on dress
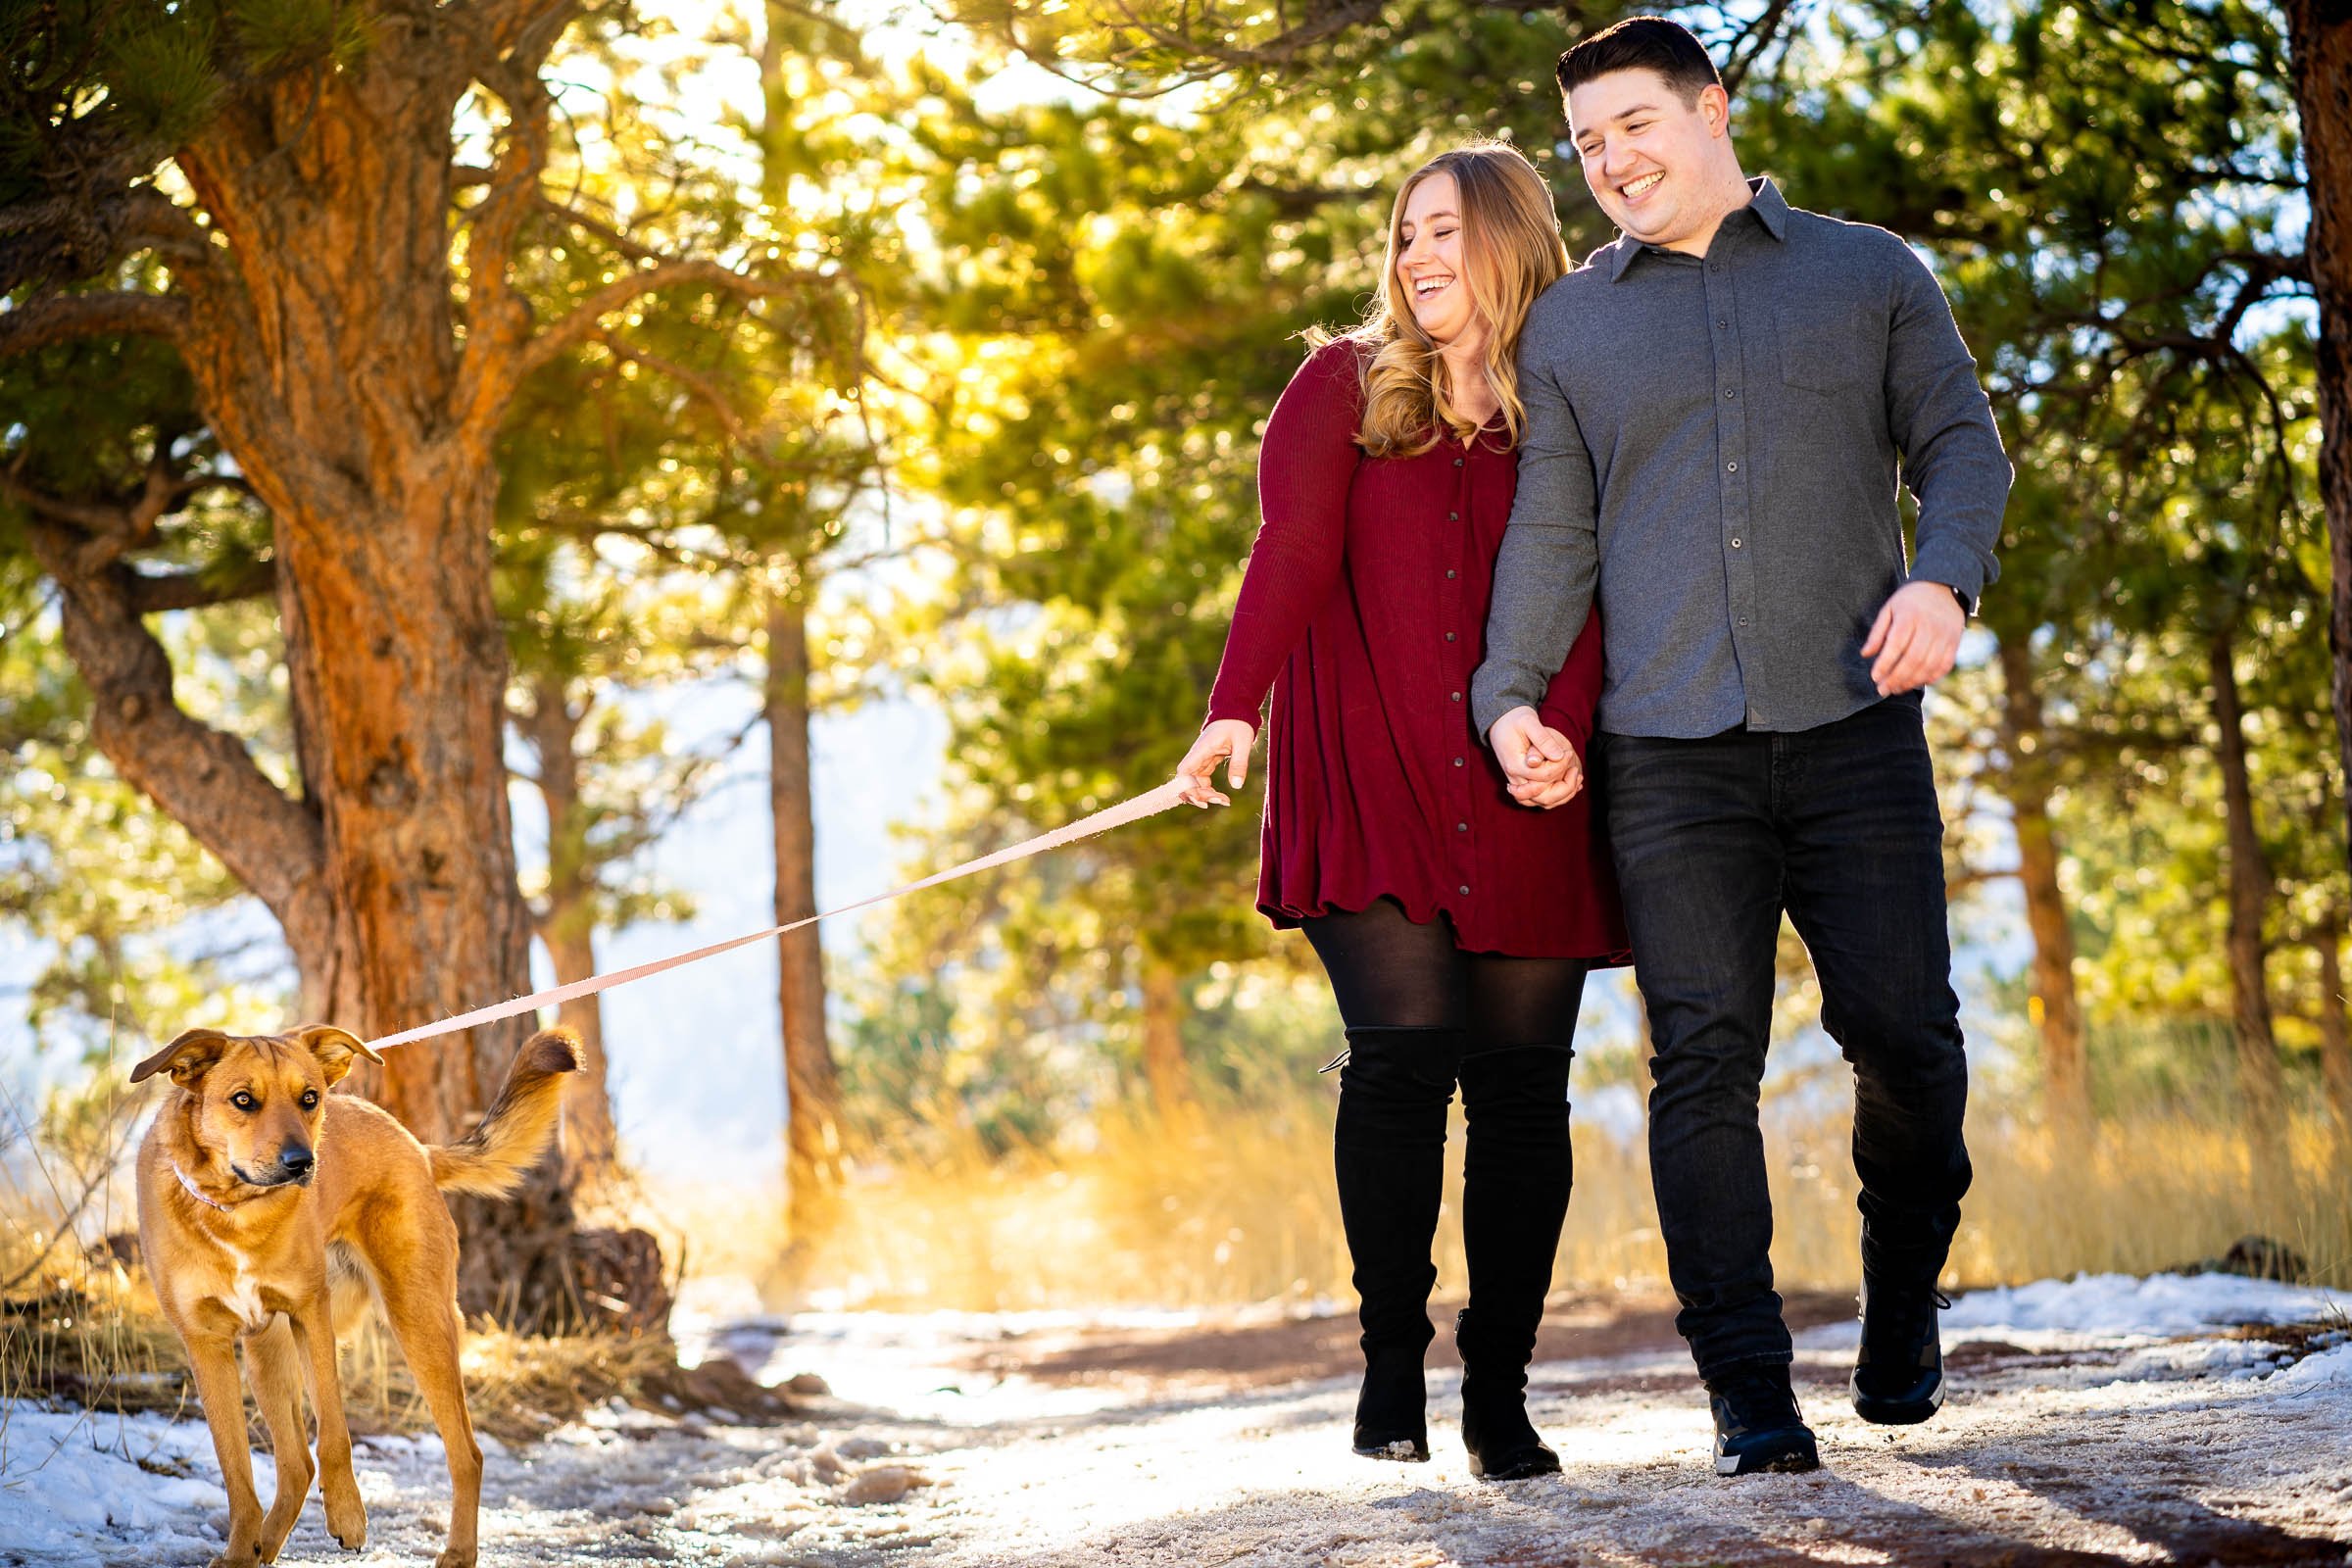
1363, 609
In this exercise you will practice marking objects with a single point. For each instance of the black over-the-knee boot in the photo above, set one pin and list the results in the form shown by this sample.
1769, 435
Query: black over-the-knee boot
1389, 1146
1516, 1174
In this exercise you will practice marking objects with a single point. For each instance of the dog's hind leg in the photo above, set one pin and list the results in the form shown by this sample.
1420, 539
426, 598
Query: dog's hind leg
212, 1357
346, 1514
273, 1363
424, 1319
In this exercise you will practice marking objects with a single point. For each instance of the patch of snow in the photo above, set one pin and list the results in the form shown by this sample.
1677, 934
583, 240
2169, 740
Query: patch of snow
2123, 1304
2329, 1370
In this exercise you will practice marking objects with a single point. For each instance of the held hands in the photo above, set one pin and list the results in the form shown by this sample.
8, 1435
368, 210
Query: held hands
1543, 768
1915, 637
1226, 738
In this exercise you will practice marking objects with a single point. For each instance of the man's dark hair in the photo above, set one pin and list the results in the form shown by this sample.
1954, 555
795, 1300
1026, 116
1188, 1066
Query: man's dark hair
1642, 43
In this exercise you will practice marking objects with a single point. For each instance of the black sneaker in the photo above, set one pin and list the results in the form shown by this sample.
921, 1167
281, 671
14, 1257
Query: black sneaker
1758, 1424
1898, 1372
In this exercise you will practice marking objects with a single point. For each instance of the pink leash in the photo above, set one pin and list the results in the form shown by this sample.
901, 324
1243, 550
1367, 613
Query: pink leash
1149, 803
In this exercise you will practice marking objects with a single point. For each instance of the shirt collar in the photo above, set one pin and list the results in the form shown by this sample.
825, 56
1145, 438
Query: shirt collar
1766, 202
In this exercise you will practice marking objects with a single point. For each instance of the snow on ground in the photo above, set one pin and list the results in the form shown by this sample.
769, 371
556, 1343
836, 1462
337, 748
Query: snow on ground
2101, 1420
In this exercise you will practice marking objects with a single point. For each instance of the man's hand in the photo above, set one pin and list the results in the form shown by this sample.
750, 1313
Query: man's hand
1226, 739
1543, 767
1915, 637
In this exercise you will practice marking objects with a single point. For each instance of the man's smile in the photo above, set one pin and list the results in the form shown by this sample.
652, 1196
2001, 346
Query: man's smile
1636, 189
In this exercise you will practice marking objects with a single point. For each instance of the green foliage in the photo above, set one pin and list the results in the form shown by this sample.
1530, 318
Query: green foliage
147, 933
1051, 330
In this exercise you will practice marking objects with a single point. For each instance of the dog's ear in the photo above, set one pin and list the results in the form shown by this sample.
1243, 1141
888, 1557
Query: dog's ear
189, 1055
333, 1047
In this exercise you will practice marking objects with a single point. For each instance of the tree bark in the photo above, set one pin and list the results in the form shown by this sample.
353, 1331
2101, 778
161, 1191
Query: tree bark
1165, 1072
2260, 1083
568, 926
2027, 781
323, 344
202, 777
813, 1141
2319, 35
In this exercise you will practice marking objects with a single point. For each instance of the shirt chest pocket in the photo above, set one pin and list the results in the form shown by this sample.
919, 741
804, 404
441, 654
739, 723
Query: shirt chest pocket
1826, 347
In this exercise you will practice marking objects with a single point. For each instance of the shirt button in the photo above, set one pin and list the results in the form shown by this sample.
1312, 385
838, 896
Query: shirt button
1465, 890
1461, 827
1453, 517
1742, 621
1450, 574
1720, 320
1730, 392
1457, 462
1458, 697
1457, 761
1449, 635
1735, 544
1731, 466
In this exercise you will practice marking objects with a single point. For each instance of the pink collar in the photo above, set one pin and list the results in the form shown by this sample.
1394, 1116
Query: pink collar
193, 1191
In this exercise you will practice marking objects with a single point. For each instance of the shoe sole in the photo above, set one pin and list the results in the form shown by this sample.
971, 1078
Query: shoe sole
1524, 1470
1791, 1461
1897, 1412
1402, 1451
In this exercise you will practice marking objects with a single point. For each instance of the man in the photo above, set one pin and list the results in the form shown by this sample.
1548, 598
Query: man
1716, 406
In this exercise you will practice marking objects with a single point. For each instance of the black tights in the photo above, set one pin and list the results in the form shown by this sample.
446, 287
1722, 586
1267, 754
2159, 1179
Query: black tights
1422, 1015
1390, 973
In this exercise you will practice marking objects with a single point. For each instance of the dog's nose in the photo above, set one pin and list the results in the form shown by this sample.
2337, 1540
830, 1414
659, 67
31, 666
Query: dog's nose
296, 1159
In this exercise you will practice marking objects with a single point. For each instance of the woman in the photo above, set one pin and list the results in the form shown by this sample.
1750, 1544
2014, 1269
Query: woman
1456, 926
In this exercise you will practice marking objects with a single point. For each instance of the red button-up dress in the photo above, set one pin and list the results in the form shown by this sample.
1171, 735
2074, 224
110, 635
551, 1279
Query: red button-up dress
1364, 608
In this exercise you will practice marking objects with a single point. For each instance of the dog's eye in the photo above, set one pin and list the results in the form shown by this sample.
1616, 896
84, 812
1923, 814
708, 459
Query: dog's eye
310, 1100
243, 1101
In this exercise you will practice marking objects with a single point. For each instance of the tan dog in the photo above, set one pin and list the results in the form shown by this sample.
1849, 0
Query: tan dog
270, 1209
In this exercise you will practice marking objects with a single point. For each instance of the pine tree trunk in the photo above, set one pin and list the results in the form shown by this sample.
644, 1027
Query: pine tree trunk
813, 1142
2319, 48
1165, 1072
325, 353
2260, 1083
2057, 1012
568, 928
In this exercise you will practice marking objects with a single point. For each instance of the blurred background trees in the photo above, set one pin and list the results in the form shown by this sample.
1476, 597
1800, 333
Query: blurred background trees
834, 357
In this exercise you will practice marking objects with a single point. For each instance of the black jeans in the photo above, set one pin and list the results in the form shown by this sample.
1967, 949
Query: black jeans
1713, 840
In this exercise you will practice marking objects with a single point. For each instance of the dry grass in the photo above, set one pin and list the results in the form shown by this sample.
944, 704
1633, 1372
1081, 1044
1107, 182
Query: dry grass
1235, 1206
1231, 1205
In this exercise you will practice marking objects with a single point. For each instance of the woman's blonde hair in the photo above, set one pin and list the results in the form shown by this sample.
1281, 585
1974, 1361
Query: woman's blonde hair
1511, 252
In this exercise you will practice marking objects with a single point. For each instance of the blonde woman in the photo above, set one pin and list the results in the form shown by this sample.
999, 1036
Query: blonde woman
1456, 924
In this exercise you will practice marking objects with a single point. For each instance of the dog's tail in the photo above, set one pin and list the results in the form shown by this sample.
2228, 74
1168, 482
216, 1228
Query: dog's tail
494, 1158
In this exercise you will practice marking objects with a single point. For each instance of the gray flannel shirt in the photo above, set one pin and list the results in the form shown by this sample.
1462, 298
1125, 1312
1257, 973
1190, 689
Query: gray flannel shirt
1711, 454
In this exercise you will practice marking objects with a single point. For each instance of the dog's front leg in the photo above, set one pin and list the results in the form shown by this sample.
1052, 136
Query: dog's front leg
275, 1364
212, 1356
346, 1514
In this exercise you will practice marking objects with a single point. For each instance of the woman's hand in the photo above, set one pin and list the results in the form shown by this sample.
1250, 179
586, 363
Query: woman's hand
1225, 738
1542, 763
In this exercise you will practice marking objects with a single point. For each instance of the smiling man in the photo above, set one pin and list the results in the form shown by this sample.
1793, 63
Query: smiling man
1720, 408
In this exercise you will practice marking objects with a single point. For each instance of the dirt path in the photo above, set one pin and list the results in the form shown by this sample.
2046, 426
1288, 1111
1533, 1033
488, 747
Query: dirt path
988, 1442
